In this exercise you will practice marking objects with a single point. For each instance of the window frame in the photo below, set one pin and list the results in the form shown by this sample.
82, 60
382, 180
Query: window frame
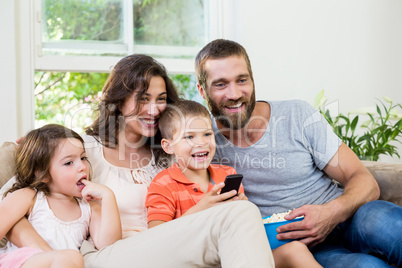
67, 63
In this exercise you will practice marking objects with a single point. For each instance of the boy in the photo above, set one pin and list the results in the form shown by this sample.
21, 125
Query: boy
191, 184
188, 186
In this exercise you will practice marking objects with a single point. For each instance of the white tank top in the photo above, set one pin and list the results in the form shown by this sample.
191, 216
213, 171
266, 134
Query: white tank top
57, 233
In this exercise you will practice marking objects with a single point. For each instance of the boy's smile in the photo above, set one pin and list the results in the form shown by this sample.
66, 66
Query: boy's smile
193, 143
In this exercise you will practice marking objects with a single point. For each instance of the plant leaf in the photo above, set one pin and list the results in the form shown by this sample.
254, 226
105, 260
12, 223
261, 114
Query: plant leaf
354, 123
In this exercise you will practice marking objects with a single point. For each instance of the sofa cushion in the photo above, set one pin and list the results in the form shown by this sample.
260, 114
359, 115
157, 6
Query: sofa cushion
389, 178
7, 168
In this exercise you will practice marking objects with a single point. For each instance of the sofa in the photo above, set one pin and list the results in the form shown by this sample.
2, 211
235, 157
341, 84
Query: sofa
388, 176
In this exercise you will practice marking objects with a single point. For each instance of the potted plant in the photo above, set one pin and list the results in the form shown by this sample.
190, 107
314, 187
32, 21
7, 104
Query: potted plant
372, 138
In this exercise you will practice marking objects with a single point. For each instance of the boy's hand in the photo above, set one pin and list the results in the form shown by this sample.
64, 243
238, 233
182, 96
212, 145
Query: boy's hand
94, 191
231, 196
242, 196
213, 198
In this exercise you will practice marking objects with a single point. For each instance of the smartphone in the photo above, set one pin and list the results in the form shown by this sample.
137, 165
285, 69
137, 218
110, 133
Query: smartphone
232, 182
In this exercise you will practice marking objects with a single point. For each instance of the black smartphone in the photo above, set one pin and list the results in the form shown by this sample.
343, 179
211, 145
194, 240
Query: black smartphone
232, 182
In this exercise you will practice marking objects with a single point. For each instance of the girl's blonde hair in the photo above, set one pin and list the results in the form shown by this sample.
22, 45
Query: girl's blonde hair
34, 155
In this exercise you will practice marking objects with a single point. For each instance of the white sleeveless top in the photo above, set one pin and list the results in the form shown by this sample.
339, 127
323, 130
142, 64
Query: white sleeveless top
130, 186
57, 233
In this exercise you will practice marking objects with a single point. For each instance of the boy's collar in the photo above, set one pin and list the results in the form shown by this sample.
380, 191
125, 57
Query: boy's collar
215, 171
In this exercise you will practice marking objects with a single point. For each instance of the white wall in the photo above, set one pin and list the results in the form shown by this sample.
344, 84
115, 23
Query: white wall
8, 94
351, 49
16, 70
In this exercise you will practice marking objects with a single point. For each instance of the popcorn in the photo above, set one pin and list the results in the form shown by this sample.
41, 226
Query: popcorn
276, 217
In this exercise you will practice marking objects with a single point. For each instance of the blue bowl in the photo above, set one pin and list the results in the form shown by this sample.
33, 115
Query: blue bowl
270, 229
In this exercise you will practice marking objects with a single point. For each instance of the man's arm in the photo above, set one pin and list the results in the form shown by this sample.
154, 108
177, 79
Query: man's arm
360, 187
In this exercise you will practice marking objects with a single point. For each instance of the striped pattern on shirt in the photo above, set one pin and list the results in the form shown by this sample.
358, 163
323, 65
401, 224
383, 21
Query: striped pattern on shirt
171, 194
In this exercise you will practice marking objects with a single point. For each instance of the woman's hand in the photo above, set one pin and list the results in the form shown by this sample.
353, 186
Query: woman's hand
19, 140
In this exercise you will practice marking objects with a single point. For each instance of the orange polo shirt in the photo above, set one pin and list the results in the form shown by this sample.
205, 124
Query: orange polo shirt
171, 194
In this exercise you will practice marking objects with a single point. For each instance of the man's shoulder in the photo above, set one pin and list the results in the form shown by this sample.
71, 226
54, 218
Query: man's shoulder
288, 107
292, 103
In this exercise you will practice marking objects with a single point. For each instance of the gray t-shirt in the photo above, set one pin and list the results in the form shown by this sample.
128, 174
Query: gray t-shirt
283, 170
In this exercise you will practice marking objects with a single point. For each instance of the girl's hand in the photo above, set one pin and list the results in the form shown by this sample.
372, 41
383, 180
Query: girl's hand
94, 191
105, 224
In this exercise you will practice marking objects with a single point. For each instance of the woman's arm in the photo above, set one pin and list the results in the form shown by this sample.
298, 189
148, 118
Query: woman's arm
105, 225
22, 234
13, 224
13, 207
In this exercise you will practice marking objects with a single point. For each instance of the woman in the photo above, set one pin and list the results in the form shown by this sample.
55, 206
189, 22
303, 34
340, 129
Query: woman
123, 148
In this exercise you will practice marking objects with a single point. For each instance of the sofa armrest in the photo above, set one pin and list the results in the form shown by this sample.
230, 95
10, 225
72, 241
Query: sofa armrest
7, 168
389, 178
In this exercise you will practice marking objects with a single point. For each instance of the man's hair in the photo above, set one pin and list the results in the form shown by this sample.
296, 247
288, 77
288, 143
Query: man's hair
218, 49
176, 111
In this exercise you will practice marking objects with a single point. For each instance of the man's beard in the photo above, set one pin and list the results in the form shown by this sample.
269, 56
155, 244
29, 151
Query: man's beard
232, 121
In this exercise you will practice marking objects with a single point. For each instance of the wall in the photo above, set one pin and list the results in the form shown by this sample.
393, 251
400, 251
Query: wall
8, 94
351, 49
16, 72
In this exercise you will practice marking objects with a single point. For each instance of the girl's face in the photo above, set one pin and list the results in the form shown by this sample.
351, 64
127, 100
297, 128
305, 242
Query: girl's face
68, 167
153, 103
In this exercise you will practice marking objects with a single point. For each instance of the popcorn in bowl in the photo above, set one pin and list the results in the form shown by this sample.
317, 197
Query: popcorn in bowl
271, 223
276, 217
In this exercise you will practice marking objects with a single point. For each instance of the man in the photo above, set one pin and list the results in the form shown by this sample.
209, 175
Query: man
292, 160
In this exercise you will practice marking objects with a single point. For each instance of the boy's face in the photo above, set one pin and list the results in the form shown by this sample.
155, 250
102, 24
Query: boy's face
193, 143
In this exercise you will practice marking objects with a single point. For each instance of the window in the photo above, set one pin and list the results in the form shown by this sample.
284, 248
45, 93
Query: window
39, 49
83, 35
78, 41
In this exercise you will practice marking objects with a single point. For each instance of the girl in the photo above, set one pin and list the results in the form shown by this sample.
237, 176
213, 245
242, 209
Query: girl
53, 191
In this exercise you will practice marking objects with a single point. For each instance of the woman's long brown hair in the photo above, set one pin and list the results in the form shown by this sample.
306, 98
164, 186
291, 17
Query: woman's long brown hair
132, 74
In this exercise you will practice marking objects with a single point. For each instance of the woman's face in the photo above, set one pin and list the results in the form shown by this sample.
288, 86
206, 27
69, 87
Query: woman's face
153, 103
